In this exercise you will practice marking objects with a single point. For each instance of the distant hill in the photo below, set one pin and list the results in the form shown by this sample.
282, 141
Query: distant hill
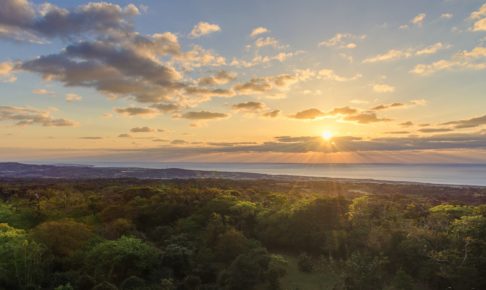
20, 170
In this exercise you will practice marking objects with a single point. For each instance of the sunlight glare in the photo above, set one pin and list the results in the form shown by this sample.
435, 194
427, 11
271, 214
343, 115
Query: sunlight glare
327, 135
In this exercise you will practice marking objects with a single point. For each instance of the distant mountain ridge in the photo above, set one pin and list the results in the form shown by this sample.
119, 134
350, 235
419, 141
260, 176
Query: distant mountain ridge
21, 170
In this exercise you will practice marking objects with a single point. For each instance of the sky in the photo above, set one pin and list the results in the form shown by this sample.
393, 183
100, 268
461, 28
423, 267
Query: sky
310, 81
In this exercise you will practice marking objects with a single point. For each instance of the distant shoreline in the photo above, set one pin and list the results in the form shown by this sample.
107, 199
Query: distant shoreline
9, 170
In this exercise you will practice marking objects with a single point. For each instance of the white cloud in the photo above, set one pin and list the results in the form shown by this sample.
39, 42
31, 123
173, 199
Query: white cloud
446, 15
394, 54
266, 41
431, 49
342, 40
419, 19
383, 88
259, 30
6, 72
204, 28
42, 92
71, 97
464, 60
480, 19
24, 116
328, 74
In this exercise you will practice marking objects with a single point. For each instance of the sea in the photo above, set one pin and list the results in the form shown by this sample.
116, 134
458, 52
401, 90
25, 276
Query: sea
452, 174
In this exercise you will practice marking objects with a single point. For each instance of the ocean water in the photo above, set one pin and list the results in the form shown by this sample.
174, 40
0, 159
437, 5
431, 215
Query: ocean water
456, 174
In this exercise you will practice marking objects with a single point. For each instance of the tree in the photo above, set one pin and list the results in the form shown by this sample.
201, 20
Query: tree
23, 262
117, 260
63, 237
246, 271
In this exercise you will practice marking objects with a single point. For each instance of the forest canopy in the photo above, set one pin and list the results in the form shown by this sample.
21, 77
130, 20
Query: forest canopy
247, 234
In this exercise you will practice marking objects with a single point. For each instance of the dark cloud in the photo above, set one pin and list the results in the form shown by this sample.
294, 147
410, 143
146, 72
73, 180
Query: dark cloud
106, 54
398, 132
309, 114
22, 20
23, 116
203, 115
134, 111
366, 118
406, 124
91, 138
220, 78
384, 107
124, 136
142, 130
230, 143
314, 113
266, 84
166, 107
468, 123
272, 114
304, 144
342, 111
249, 106
178, 142
435, 130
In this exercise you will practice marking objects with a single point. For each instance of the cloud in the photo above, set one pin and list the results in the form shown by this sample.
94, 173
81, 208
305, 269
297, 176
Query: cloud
398, 132
314, 113
464, 60
399, 105
178, 142
384, 107
166, 107
266, 41
204, 28
22, 20
392, 54
142, 130
479, 17
435, 130
123, 63
446, 16
124, 136
406, 124
365, 118
91, 138
304, 144
342, 111
272, 114
71, 97
249, 106
309, 114
23, 116
258, 30
42, 92
468, 123
395, 54
329, 74
220, 78
419, 19
342, 40
383, 88
260, 59
432, 49
203, 115
6, 72
136, 111
259, 85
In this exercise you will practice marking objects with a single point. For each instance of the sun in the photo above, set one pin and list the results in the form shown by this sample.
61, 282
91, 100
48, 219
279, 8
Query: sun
327, 135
